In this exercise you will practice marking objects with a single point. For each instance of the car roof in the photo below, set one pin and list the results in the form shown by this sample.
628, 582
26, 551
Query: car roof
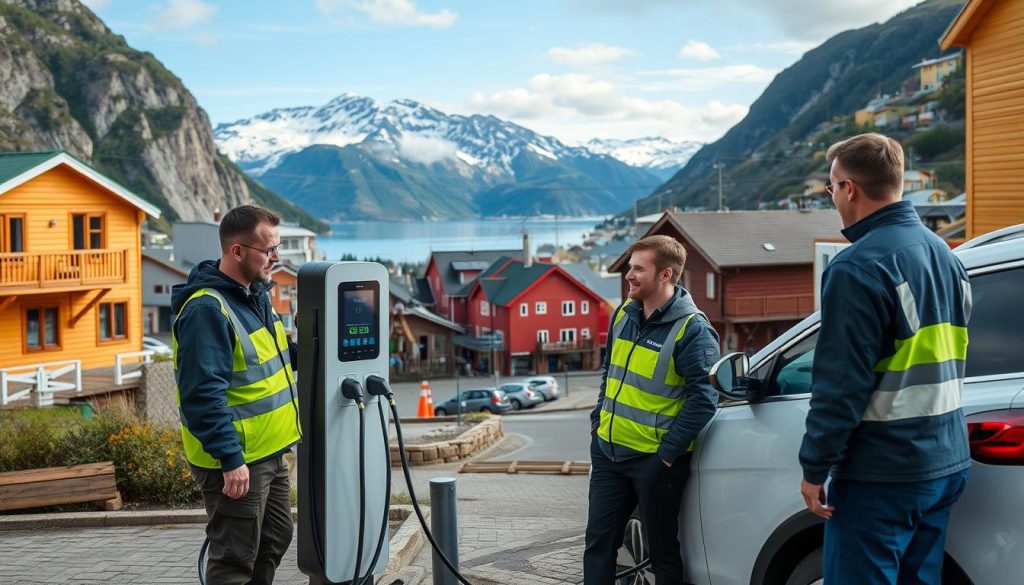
1005, 245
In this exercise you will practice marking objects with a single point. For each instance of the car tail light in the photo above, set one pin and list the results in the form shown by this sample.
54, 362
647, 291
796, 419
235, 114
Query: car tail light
495, 400
997, 437
529, 393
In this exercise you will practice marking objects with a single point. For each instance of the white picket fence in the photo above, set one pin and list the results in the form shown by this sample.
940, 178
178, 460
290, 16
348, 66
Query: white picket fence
40, 381
130, 359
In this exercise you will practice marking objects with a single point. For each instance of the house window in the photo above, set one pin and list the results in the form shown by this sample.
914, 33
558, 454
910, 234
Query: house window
485, 308
585, 333
584, 307
711, 285
12, 233
567, 335
524, 310
42, 330
87, 231
568, 308
542, 336
113, 321
541, 308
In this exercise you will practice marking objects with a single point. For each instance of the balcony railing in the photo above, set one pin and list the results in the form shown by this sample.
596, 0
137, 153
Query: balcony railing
769, 305
555, 346
69, 270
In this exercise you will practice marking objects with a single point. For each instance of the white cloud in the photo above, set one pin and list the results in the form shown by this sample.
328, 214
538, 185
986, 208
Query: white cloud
398, 12
577, 107
814, 20
698, 50
695, 79
181, 14
591, 54
425, 149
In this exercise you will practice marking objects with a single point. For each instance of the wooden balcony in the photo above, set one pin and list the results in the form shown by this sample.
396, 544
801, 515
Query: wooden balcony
768, 307
566, 346
61, 271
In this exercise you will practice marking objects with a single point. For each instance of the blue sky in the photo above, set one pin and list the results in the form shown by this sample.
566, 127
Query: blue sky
575, 69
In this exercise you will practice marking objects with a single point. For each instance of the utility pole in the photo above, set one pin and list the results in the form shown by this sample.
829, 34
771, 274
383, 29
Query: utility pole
721, 201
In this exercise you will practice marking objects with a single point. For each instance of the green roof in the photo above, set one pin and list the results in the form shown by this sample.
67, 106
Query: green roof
504, 284
14, 164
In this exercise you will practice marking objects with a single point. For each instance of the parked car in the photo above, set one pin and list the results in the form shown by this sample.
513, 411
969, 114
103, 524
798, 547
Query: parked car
156, 346
744, 519
521, 395
546, 385
490, 400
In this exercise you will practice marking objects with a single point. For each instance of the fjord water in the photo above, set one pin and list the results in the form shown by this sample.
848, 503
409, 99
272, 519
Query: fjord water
414, 241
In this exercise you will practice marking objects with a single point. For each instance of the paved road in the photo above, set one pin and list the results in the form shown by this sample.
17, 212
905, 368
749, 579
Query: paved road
558, 436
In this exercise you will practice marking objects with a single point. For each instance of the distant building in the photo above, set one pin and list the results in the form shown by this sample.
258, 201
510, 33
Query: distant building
158, 276
195, 241
448, 275
750, 272
70, 262
421, 341
285, 296
918, 179
933, 72
992, 34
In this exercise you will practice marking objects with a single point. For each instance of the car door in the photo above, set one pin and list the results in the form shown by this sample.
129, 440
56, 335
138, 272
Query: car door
748, 473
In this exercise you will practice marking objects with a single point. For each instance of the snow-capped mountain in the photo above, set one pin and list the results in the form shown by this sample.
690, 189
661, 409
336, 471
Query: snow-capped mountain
653, 152
358, 158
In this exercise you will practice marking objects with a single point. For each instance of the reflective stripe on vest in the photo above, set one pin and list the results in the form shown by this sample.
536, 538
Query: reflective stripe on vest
643, 390
925, 375
261, 397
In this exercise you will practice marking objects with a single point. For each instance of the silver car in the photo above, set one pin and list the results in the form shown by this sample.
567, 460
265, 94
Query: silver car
546, 385
521, 395
743, 519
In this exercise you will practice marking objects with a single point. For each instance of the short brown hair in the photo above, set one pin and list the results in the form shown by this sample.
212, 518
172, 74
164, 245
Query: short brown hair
243, 220
874, 161
668, 253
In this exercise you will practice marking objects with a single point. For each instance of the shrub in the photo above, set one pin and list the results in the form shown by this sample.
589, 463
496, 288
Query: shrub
29, 437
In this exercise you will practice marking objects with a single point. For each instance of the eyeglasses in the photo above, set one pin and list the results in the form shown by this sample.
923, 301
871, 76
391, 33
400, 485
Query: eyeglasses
270, 252
830, 187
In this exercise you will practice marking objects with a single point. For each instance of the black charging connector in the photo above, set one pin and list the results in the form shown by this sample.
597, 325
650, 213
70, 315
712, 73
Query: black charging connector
353, 390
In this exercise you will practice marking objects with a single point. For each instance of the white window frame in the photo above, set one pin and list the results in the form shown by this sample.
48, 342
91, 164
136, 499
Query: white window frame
541, 307
524, 309
568, 308
584, 307
542, 336
585, 333
562, 335
485, 308
711, 285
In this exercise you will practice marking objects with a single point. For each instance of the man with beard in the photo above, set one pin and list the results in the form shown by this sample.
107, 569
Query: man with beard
238, 404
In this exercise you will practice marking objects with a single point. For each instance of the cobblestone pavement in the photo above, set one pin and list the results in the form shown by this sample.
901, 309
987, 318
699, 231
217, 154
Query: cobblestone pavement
513, 529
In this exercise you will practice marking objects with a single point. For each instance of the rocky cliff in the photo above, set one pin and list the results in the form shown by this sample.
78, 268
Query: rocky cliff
67, 82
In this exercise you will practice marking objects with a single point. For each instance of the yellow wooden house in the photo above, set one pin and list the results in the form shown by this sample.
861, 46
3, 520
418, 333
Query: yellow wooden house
70, 262
992, 32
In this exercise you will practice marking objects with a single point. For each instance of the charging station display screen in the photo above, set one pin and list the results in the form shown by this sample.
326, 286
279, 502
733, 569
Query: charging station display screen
359, 315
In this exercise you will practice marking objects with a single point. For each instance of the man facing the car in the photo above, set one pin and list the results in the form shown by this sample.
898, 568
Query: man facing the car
885, 418
655, 397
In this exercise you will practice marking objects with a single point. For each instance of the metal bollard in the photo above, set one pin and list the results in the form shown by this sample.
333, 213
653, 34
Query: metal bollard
444, 524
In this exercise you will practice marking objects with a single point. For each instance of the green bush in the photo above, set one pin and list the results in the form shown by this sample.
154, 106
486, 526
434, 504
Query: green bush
149, 461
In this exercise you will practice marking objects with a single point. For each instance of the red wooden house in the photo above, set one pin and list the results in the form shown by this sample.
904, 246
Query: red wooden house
450, 276
751, 272
532, 317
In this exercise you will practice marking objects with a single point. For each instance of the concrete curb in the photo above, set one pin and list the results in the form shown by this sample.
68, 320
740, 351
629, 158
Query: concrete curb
407, 541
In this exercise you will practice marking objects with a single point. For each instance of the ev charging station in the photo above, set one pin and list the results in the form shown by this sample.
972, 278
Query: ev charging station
344, 461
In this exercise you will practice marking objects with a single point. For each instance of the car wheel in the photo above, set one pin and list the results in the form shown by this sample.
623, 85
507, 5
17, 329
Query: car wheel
633, 552
809, 571
440, 412
516, 405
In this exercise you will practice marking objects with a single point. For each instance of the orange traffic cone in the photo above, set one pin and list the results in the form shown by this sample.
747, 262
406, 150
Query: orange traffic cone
425, 408
430, 398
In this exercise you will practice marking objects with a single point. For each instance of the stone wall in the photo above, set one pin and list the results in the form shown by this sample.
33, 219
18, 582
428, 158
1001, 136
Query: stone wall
465, 445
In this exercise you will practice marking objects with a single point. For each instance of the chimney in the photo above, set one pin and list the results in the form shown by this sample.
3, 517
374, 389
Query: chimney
527, 258
216, 215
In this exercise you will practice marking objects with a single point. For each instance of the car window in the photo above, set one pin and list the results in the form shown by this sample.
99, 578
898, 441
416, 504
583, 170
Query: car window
793, 368
509, 387
996, 323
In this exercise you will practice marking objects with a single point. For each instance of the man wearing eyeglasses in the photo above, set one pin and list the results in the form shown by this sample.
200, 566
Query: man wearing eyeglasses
885, 421
237, 398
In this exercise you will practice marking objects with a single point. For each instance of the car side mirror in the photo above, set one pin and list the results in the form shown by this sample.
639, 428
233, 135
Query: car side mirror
729, 377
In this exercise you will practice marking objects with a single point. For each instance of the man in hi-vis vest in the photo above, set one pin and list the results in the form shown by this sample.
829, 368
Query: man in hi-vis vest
655, 397
237, 398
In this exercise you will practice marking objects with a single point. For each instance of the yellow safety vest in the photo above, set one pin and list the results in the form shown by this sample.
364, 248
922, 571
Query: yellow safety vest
643, 392
262, 397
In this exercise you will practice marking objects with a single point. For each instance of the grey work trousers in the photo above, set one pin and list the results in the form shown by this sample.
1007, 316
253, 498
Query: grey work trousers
248, 536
